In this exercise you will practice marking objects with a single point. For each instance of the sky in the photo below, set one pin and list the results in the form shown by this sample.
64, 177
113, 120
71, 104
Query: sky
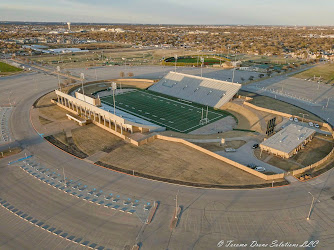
205, 12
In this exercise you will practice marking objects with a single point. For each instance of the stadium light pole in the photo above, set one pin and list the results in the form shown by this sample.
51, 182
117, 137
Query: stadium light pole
202, 61
175, 61
58, 70
235, 57
82, 76
114, 87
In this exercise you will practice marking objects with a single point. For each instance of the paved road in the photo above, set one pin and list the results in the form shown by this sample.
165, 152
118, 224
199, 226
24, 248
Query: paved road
208, 216
245, 155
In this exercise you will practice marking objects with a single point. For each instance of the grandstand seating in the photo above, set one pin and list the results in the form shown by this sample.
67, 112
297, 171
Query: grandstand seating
209, 92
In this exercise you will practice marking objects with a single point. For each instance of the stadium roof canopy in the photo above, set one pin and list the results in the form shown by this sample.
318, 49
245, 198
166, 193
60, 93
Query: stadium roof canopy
206, 91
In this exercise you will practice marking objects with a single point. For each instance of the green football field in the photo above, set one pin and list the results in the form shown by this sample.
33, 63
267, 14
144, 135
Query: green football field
4, 67
167, 112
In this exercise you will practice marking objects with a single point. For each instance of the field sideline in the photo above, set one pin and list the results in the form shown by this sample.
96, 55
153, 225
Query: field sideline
167, 112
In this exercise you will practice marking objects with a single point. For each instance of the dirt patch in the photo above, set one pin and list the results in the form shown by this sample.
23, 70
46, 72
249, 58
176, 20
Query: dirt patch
91, 139
176, 161
43, 120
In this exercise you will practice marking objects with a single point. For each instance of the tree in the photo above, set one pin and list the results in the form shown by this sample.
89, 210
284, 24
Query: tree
130, 74
122, 74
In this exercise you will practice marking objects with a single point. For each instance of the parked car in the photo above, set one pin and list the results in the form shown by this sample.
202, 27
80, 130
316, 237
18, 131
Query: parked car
310, 124
260, 169
255, 146
316, 125
252, 166
295, 119
291, 118
230, 150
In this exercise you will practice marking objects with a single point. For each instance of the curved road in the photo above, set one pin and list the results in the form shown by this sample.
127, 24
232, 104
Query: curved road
208, 216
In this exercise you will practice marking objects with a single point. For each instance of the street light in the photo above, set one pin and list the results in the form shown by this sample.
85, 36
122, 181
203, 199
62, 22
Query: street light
176, 203
309, 213
327, 102
303, 116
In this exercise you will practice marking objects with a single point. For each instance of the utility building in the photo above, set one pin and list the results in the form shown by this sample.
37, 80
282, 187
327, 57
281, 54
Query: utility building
288, 141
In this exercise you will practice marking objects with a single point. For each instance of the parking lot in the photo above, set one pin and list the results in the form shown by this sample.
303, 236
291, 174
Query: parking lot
4, 124
76, 188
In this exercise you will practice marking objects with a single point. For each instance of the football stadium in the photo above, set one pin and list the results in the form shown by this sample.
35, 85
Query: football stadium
178, 102
163, 110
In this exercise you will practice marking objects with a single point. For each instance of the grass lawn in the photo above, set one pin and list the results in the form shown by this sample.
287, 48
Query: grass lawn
163, 111
271, 103
195, 60
6, 68
325, 71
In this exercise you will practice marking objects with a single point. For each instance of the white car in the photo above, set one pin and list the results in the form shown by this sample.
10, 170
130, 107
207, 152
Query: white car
310, 124
291, 118
295, 119
260, 169
316, 125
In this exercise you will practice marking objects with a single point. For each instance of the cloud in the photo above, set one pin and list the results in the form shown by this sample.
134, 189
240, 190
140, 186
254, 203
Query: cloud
299, 12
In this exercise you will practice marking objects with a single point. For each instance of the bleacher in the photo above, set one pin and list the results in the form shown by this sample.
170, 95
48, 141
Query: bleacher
209, 92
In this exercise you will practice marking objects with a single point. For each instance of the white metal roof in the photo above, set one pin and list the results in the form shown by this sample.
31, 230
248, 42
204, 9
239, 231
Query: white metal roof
288, 138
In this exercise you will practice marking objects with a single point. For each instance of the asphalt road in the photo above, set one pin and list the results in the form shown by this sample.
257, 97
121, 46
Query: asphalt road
208, 216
